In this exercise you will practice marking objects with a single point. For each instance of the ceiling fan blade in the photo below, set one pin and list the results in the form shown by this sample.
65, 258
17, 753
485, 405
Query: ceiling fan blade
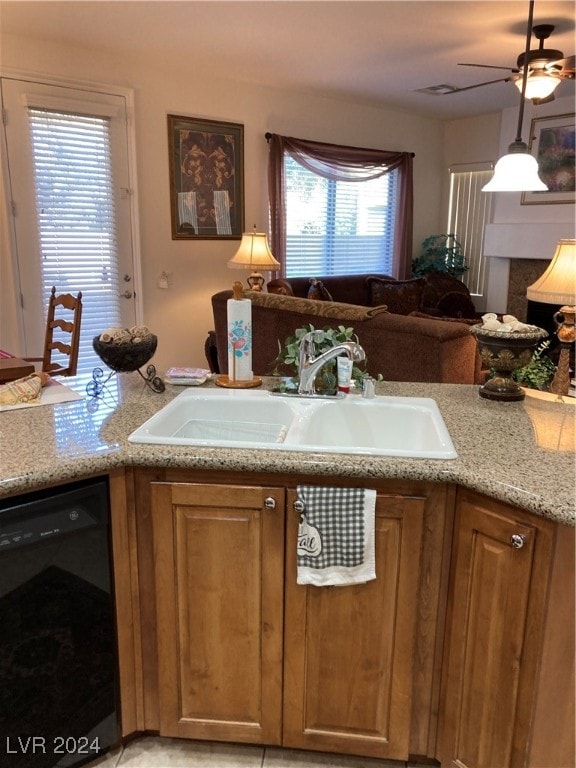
479, 85
488, 66
567, 64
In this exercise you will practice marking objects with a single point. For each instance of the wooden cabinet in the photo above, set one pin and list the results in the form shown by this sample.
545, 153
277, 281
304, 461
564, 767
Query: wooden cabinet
243, 653
348, 650
218, 564
497, 617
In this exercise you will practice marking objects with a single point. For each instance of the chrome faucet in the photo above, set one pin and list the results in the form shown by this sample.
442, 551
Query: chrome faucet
309, 364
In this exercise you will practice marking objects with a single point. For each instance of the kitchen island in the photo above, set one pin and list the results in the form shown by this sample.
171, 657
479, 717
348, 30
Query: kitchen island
205, 563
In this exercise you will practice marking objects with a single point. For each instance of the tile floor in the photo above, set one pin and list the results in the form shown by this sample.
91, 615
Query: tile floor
154, 752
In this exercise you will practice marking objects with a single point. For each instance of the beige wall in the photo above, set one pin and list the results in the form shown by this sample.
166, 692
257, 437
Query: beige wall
181, 315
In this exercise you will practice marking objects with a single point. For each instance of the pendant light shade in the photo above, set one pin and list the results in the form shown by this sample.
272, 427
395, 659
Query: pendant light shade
539, 85
516, 172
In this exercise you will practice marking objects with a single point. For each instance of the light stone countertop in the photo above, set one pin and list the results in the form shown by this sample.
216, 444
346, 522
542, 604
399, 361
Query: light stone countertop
520, 453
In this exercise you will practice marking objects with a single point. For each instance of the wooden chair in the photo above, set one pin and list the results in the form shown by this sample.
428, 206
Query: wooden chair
68, 324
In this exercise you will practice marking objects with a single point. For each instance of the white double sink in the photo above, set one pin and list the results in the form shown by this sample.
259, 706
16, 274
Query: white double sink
384, 426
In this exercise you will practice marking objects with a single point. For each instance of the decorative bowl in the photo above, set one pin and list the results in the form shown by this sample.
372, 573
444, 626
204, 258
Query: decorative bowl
505, 351
128, 357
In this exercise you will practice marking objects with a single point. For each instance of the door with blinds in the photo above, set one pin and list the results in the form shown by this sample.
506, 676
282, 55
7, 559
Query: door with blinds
70, 189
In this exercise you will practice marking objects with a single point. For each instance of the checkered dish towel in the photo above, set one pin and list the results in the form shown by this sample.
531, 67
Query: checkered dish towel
336, 536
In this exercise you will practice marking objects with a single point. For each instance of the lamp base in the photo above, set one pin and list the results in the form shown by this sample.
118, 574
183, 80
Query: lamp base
227, 383
565, 321
256, 282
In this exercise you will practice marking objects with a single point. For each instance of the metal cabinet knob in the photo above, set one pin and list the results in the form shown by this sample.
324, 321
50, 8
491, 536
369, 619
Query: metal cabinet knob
517, 540
270, 503
299, 506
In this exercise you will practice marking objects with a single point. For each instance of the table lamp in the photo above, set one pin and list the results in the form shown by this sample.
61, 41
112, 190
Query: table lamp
558, 286
254, 253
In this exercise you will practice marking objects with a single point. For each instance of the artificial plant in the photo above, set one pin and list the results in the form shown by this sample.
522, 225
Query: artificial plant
440, 253
287, 361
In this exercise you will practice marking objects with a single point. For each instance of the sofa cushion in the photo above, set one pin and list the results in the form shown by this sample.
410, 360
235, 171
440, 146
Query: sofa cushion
318, 291
439, 284
328, 309
401, 296
456, 304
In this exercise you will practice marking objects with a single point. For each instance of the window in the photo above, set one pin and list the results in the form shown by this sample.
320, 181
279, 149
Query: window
73, 207
339, 210
469, 210
338, 227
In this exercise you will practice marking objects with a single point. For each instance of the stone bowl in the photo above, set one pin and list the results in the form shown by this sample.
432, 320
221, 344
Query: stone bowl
505, 352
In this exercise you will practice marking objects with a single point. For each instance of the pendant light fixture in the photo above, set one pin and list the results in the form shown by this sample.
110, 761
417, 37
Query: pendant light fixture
518, 170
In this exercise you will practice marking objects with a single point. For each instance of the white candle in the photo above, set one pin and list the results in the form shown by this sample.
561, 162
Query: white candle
239, 339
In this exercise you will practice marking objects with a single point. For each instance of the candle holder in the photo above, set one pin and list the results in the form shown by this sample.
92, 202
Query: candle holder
505, 351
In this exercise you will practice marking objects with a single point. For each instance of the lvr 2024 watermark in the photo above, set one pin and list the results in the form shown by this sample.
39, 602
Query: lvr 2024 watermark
57, 745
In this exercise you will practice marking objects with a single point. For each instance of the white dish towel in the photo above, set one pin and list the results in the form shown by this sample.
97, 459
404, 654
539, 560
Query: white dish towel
336, 536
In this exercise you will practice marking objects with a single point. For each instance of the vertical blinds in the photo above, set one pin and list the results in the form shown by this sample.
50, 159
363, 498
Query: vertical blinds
338, 228
469, 211
76, 216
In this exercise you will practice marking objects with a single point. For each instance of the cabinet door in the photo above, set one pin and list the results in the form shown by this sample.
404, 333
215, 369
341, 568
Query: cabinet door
492, 632
348, 650
218, 560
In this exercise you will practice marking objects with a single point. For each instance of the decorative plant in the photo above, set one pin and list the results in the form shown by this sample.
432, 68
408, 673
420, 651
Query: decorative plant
539, 371
287, 361
440, 253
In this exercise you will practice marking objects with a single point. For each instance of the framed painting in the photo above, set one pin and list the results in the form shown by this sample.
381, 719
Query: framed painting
206, 178
552, 144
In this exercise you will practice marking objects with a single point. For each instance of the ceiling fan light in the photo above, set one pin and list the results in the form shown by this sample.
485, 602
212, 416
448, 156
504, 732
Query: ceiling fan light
539, 85
515, 172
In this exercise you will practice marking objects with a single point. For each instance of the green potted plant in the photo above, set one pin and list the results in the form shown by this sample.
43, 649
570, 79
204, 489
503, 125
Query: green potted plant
539, 371
285, 364
440, 253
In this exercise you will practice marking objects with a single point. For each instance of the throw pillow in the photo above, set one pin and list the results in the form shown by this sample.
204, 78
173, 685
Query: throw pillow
280, 286
327, 309
318, 291
400, 296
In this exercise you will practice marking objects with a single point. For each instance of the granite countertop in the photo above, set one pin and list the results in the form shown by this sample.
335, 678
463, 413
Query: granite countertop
520, 453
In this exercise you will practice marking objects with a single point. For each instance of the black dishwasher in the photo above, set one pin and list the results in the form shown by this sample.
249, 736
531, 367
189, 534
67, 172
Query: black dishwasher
58, 651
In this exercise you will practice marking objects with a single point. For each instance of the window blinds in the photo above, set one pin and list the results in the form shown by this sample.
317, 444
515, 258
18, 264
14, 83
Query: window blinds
76, 216
338, 228
469, 211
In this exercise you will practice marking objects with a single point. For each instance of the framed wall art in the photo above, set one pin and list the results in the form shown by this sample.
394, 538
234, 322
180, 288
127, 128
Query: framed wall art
206, 178
552, 144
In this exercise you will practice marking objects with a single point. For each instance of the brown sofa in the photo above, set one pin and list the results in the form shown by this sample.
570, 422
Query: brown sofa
399, 347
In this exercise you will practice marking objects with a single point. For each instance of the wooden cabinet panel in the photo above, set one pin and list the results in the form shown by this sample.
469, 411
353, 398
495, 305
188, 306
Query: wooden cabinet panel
495, 619
348, 650
219, 570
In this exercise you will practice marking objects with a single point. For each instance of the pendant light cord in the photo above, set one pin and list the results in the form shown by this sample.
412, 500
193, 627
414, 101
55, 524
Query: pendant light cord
525, 72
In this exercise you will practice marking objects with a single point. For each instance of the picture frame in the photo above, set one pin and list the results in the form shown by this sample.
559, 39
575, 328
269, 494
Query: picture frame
206, 178
552, 144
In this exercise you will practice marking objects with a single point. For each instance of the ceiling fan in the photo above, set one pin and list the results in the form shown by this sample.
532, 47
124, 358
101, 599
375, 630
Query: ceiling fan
547, 68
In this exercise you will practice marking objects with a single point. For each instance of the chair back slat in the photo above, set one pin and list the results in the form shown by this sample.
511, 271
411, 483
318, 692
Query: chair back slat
72, 326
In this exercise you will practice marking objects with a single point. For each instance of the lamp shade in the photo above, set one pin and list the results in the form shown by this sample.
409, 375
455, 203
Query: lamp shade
558, 283
539, 85
254, 253
516, 172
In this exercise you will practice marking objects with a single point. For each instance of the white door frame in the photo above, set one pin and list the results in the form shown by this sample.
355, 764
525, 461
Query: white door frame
10, 267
